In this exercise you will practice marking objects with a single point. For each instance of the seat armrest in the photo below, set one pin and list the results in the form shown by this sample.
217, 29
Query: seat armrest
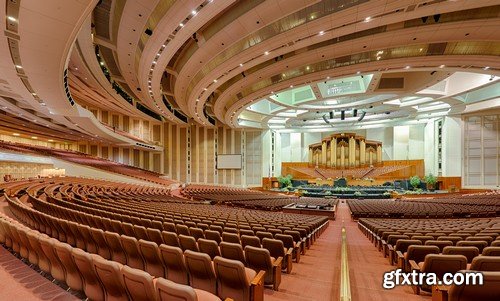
289, 251
399, 254
277, 262
414, 266
258, 279
440, 292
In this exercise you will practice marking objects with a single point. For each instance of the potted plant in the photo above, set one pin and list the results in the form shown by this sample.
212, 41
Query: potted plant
431, 181
285, 181
415, 181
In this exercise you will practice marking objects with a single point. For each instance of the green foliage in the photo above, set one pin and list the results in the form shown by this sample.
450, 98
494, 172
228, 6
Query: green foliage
285, 181
430, 179
415, 181
358, 193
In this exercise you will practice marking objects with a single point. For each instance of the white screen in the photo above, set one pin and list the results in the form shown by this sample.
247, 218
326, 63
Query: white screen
229, 162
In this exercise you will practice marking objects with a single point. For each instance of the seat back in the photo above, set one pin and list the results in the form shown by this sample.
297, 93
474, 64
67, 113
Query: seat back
491, 251
188, 243
259, 259
274, 246
261, 235
196, 233
232, 251
286, 239
403, 244
230, 237
91, 285
131, 248
102, 246
73, 278
182, 229
468, 251
213, 235
441, 264
201, 272
439, 243
115, 247
167, 290
209, 247
422, 238
393, 238
138, 284
56, 267
489, 291
253, 241
485, 263
155, 235
233, 280
480, 244
108, 272
152, 260
170, 239
175, 266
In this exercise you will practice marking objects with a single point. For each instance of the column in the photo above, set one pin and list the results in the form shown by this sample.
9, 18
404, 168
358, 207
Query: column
370, 155
342, 156
333, 150
379, 153
323, 152
362, 152
311, 156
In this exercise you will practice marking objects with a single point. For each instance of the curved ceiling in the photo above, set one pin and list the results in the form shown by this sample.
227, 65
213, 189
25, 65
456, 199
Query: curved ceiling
279, 64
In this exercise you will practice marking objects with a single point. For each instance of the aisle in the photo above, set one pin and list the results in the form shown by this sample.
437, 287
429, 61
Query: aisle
367, 265
317, 275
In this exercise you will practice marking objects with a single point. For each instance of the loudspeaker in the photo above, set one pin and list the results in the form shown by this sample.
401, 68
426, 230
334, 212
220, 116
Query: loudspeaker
331, 115
342, 115
355, 113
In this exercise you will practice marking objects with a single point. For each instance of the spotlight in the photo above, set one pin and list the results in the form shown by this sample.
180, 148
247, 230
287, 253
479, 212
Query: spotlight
342, 115
436, 17
148, 31
355, 113
432, 73
424, 19
331, 115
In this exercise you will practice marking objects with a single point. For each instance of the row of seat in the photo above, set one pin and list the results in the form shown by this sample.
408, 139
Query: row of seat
98, 278
432, 253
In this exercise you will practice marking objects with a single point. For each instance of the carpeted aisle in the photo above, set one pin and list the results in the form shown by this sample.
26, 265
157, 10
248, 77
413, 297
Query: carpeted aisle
19, 282
367, 265
317, 276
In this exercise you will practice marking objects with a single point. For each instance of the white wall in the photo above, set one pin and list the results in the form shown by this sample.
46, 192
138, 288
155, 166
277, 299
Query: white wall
401, 141
452, 147
386, 136
430, 148
416, 142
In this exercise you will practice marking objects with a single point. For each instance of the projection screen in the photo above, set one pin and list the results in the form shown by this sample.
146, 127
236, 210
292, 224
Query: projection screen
227, 161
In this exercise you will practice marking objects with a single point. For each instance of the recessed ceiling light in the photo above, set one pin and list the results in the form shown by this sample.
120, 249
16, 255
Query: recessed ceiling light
181, 24
407, 67
368, 19
16, 134
241, 65
215, 80
359, 72
102, 63
486, 68
441, 66
291, 86
50, 140
19, 66
321, 33
76, 68
193, 12
34, 137
10, 18
266, 53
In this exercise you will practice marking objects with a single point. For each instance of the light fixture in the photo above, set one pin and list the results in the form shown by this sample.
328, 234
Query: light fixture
193, 12
486, 68
441, 66
321, 33
181, 24
241, 65
407, 67
102, 63
215, 80
50, 140
16, 134
291, 86
10, 18
19, 66
359, 72
34, 137
368, 19
307, 68
76, 68
266, 53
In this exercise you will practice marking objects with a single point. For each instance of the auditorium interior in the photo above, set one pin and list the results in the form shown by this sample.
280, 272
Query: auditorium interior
250, 150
